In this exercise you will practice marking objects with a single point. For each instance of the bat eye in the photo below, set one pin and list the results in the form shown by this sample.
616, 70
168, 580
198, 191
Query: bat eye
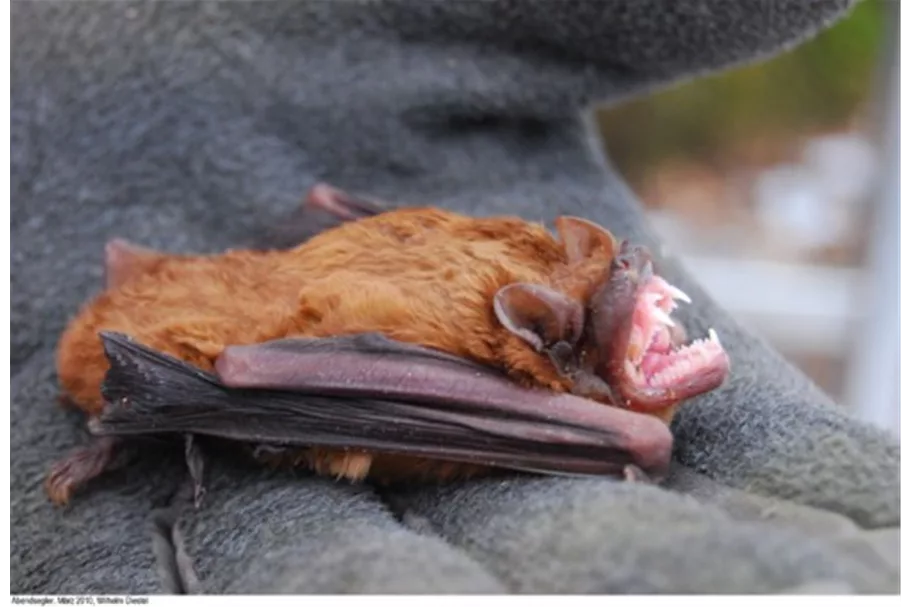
563, 357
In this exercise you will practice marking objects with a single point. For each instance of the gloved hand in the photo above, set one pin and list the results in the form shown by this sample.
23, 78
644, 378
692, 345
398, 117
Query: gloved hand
197, 127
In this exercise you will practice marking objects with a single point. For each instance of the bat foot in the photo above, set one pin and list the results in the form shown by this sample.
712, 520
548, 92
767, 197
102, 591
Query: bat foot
196, 465
78, 468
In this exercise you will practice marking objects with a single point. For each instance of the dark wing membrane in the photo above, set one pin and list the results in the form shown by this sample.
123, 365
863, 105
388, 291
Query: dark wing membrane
369, 392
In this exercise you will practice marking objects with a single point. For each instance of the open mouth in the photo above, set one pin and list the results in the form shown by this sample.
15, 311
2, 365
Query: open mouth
659, 363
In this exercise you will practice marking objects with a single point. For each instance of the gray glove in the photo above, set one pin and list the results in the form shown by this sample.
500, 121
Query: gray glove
199, 127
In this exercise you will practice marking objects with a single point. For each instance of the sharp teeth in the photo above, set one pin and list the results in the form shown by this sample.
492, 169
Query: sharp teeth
676, 293
713, 336
662, 317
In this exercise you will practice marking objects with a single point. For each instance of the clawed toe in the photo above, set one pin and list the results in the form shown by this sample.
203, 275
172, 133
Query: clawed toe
78, 468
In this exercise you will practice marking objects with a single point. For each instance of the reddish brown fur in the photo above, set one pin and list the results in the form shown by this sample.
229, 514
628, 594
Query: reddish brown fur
379, 274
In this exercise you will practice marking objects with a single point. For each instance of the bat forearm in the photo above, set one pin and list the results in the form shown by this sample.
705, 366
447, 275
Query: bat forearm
470, 415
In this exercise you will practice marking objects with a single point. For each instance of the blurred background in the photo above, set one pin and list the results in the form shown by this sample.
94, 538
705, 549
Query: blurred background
777, 184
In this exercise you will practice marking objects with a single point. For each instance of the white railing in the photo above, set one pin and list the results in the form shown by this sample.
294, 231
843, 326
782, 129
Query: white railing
874, 377
799, 308
821, 310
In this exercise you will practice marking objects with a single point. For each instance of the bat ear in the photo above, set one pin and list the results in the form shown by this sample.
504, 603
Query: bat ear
124, 260
581, 238
540, 315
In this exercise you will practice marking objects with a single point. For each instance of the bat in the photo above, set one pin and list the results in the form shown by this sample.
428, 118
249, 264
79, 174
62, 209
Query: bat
403, 344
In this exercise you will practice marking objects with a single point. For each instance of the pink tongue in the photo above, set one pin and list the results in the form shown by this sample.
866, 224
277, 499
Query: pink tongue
661, 342
653, 362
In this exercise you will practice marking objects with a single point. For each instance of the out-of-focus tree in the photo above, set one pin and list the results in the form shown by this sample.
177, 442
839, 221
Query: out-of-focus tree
820, 86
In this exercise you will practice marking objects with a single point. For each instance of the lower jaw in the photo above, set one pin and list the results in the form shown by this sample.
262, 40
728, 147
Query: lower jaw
664, 412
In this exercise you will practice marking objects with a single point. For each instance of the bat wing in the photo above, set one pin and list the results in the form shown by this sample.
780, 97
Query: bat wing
323, 207
369, 392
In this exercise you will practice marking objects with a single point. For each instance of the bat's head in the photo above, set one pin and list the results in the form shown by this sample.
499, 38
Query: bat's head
641, 353
615, 337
